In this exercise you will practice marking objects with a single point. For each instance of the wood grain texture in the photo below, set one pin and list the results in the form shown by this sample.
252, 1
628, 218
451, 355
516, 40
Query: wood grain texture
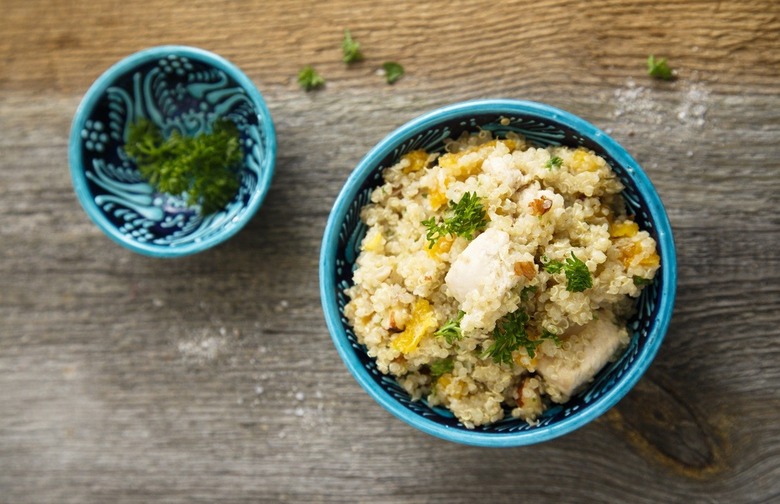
213, 379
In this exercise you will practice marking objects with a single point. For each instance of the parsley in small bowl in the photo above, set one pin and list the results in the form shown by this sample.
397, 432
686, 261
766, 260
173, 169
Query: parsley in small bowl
172, 151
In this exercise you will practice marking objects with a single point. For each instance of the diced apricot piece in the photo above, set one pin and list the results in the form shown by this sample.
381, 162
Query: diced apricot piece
627, 228
417, 159
629, 252
421, 323
441, 246
456, 392
454, 165
436, 198
374, 243
651, 260
583, 160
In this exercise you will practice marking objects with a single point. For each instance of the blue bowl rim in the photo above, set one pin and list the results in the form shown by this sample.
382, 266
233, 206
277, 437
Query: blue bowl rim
94, 94
503, 106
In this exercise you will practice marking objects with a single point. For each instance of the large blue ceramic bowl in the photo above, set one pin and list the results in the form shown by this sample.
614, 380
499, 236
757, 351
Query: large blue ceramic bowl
543, 125
177, 88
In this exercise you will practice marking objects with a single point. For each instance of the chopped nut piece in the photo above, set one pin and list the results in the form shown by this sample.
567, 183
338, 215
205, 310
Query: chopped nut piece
525, 268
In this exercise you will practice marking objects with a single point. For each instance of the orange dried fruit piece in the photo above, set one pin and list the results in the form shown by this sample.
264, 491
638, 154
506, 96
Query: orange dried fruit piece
583, 160
436, 198
627, 228
421, 323
417, 160
444, 244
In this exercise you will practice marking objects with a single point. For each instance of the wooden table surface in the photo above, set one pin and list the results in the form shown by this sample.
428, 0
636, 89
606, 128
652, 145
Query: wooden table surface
213, 378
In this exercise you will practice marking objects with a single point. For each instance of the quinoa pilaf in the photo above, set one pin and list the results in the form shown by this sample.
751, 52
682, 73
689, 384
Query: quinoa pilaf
497, 277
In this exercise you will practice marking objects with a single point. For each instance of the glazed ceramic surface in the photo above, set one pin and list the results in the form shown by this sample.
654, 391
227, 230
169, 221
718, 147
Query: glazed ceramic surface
542, 125
180, 89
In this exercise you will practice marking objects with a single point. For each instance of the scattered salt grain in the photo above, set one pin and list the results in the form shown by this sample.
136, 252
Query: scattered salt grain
693, 105
259, 389
637, 101
300, 396
299, 412
201, 350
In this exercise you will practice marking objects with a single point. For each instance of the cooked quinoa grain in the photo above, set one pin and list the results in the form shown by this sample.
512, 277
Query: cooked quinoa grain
522, 311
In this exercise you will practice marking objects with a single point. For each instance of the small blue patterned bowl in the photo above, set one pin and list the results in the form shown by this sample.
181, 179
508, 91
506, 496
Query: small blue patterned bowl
543, 125
177, 88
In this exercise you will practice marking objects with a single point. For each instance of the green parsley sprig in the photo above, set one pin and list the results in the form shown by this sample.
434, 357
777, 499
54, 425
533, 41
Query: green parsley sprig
451, 331
528, 291
205, 167
441, 366
309, 79
547, 334
578, 277
642, 281
468, 217
554, 162
510, 334
350, 49
393, 71
659, 68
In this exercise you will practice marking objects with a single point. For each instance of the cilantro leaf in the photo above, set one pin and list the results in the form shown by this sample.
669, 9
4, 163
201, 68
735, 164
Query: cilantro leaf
468, 217
451, 331
309, 79
350, 49
659, 68
393, 71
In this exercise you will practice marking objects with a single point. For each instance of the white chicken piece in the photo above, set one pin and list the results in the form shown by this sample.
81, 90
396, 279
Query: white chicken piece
481, 276
592, 347
484, 264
